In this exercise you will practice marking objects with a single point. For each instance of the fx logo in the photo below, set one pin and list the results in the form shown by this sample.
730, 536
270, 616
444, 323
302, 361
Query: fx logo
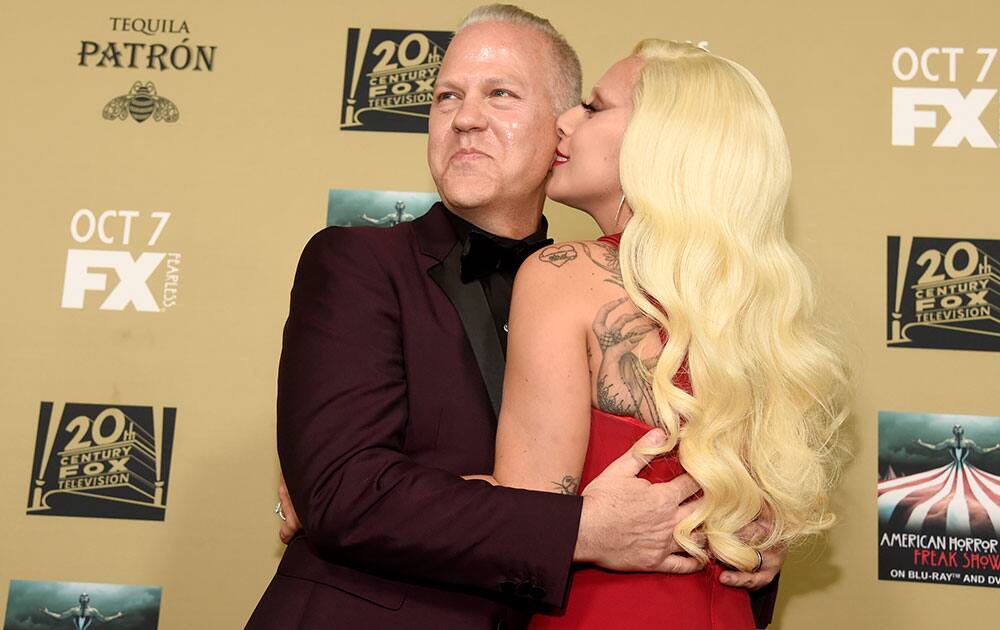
910, 111
132, 275
919, 107
88, 270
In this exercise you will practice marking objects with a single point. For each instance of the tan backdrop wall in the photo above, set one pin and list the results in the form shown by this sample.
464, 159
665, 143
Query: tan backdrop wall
245, 172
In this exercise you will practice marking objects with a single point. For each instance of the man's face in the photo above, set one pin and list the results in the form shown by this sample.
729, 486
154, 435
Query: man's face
492, 133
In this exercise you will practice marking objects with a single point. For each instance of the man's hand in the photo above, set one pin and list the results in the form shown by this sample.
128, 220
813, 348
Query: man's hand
628, 524
773, 558
291, 525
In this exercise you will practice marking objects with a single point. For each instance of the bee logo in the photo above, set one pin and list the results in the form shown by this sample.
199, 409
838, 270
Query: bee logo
141, 102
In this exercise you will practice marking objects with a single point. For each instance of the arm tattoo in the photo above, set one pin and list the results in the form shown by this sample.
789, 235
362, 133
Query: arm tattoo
604, 256
568, 485
558, 255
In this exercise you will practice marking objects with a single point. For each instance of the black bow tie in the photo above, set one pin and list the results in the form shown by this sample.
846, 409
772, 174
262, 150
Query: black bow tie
483, 255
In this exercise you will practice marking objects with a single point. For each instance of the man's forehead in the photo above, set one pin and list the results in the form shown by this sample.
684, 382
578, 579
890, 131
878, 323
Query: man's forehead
494, 44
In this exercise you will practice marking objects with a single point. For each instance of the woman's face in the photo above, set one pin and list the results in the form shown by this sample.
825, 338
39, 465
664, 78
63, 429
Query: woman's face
585, 170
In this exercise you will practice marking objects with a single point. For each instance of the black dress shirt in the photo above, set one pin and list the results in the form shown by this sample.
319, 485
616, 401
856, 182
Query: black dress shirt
498, 285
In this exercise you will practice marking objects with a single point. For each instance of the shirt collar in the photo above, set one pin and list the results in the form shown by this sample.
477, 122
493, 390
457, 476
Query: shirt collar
463, 228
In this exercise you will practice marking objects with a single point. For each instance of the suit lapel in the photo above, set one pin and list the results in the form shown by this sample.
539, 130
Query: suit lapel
477, 319
442, 260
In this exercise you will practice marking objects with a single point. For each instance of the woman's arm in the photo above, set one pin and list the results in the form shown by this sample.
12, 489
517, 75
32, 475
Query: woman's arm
545, 413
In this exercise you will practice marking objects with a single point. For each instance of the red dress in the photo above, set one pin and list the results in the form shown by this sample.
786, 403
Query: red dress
608, 600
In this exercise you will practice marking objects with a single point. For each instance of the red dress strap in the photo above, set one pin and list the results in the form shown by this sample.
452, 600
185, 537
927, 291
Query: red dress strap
612, 239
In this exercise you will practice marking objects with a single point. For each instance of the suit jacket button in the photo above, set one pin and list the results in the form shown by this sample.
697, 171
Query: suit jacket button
508, 587
530, 589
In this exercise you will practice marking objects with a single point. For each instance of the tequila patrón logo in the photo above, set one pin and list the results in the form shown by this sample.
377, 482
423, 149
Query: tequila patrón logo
141, 103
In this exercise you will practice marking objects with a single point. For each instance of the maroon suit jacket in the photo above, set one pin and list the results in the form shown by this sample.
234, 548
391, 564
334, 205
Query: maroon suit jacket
388, 390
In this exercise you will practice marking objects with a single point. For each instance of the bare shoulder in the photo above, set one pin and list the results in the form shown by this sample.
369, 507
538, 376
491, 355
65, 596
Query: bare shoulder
572, 267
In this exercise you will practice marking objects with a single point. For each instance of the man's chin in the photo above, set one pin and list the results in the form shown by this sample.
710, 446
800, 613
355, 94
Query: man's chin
468, 203
469, 196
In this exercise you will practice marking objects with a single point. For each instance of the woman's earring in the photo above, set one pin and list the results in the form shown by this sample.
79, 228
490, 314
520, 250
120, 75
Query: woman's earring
619, 213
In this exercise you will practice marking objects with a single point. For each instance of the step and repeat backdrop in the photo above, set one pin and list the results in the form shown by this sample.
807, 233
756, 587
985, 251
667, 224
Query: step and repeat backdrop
162, 168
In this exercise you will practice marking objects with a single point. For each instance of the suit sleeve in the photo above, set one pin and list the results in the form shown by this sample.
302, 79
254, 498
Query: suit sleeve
342, 414
762, 603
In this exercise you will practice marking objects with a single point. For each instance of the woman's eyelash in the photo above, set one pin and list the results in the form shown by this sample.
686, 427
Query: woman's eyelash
588, 106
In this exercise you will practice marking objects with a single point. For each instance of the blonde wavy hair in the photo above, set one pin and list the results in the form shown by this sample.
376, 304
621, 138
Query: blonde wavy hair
706, 170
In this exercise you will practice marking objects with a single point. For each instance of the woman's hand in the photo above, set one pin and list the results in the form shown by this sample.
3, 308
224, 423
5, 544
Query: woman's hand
487, 478
290, 525
772, 558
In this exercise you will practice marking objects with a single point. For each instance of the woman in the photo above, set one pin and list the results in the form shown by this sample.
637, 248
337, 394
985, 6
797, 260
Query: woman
680, 158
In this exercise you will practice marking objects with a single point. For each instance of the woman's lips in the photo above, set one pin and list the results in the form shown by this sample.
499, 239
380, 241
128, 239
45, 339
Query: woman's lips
561, 158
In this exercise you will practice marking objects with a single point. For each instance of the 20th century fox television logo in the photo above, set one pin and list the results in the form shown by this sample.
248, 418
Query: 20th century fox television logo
943, 293
389, 78
101, 460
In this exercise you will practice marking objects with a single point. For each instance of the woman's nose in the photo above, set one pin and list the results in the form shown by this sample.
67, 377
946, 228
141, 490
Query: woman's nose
567, 120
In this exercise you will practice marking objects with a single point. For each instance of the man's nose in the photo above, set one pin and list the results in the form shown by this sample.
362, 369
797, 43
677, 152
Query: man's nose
470, 116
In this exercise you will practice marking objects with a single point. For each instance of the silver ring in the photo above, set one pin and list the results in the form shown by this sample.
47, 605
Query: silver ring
281, 515
760, 558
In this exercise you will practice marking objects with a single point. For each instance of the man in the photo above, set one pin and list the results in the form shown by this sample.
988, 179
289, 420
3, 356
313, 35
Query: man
390, 380
82, 617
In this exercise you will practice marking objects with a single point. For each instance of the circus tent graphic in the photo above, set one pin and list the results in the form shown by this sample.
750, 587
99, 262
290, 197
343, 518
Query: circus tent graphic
957, 499
889, 474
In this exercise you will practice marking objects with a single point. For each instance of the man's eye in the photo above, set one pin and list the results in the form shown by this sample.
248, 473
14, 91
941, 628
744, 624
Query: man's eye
500, 92
444, 96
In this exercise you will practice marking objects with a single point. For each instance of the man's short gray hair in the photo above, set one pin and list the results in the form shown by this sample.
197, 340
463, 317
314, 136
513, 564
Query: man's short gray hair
566, 65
